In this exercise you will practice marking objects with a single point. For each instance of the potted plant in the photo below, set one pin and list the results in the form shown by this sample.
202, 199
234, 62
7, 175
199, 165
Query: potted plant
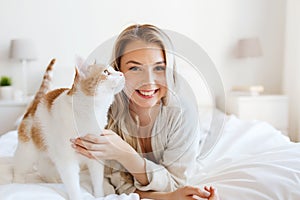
6, 91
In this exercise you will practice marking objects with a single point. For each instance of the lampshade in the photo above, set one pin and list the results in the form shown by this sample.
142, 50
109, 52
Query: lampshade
249, 47
23, 49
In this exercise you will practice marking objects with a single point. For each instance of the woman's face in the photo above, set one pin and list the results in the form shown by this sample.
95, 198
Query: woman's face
144, 68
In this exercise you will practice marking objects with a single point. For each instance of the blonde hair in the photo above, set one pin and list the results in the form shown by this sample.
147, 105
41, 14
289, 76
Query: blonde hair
119, 110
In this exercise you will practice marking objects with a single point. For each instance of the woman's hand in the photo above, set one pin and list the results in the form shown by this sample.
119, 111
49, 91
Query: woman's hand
188, 193
110, 146
213, 193
191, 193
107, 146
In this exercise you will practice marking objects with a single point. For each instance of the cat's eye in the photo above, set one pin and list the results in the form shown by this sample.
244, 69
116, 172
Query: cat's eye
106, 72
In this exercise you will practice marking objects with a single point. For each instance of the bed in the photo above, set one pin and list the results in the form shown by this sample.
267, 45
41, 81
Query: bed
250, 160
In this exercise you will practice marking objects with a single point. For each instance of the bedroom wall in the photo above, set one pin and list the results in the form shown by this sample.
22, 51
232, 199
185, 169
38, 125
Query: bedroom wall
62, 29
291, 84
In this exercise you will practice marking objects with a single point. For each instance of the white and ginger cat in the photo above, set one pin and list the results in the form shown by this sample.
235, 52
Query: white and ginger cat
54, 117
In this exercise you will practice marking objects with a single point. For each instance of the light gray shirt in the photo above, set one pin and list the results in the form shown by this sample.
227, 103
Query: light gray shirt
175, 144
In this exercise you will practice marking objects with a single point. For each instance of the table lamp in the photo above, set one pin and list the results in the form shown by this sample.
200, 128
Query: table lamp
249, 47
23, 50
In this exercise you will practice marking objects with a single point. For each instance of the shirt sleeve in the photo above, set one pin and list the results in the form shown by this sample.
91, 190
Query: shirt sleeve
119, 180
179, 154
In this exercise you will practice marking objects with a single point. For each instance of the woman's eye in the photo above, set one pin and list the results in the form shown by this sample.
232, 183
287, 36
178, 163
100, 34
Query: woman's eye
106, 72
160, 68
134, 68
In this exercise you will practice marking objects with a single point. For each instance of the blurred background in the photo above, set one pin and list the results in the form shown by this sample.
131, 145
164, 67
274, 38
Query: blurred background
251, 42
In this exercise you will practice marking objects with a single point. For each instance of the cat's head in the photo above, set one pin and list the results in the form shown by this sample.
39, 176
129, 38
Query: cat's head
96, 79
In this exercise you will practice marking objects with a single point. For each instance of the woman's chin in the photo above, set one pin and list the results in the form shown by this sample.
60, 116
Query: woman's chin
146, 103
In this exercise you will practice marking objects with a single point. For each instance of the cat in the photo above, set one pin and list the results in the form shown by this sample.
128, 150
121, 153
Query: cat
54, 117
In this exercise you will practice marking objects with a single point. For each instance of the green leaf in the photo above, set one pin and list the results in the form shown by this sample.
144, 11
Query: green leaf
5, 81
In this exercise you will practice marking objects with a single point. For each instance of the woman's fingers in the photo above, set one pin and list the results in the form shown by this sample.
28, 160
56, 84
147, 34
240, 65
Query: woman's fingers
196, 191
86, 144
207, 188
82, 151
93, 154
97, 139
104, 146
214, 194
189, 192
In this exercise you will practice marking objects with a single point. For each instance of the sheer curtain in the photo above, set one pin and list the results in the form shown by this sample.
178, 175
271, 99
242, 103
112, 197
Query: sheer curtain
291, 79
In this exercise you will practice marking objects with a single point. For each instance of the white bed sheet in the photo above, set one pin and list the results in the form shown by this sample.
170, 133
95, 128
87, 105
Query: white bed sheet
251, 160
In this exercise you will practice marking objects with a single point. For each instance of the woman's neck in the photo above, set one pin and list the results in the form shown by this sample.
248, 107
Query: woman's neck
144, 116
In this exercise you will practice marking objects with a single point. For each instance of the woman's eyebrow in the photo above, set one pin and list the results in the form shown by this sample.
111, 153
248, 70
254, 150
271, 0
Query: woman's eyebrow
133, 62
160, 62
137, 63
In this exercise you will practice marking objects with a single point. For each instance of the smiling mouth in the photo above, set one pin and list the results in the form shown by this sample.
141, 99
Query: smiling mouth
147, 93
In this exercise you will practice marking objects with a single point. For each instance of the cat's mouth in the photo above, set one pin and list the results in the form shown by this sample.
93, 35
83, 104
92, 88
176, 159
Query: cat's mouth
147, 93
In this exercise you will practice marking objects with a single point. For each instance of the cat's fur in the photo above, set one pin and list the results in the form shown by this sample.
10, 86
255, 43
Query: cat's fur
54, 117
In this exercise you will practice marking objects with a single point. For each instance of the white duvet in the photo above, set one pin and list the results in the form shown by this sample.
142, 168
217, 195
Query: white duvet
35, 189
251, 160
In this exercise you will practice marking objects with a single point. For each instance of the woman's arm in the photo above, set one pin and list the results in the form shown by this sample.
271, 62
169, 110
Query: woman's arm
110, 146
177, 143
135, 165
171, 173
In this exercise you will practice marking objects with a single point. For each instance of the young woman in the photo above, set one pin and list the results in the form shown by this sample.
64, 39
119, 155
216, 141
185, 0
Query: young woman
151, 140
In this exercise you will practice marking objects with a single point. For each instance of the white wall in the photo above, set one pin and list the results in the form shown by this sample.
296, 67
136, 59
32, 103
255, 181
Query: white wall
62, 29
264, 19
291, 84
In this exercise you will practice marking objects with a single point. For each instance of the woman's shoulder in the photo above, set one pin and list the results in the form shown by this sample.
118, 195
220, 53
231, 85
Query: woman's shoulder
180, 110
176, 114
171, 112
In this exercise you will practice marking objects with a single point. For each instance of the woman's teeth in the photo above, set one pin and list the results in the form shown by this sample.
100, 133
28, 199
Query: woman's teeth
147, 93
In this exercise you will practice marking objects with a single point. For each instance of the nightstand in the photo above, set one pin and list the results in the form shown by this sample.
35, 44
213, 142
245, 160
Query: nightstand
10, 111
270, 108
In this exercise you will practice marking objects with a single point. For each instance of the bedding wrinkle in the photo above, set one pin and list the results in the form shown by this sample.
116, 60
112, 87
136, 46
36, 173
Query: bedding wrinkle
252, 160
259, 164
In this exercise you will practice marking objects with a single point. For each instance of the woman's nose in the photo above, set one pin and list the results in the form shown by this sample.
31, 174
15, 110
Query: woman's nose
149, 77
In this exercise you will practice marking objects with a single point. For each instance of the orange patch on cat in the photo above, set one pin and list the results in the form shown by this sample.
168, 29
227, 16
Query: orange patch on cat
43, 89
37, 138
22, 136
51, 96
89, 84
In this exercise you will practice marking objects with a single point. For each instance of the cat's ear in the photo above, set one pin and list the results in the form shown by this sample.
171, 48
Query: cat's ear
81, 65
